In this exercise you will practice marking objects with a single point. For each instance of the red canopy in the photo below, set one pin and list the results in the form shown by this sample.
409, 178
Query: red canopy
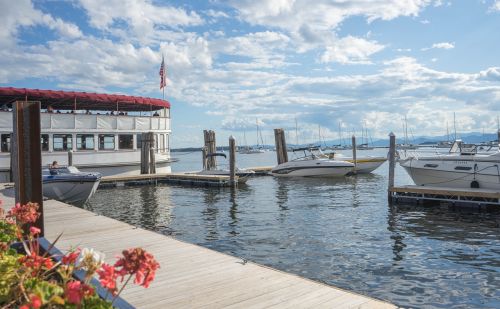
67, 100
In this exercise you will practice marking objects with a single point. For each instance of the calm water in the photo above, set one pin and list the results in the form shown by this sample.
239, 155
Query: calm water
340, 232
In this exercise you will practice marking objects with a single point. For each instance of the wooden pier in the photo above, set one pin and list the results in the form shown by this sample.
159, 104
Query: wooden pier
191, 276
175, 178
451, 196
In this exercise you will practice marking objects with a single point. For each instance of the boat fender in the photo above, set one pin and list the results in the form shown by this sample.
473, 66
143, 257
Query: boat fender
474, 184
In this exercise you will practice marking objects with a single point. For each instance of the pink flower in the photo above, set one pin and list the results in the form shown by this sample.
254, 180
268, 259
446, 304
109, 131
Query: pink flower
140, 263
36, 262
36, 302
25, 213
70, 258
76, 291
34, 231
107, 277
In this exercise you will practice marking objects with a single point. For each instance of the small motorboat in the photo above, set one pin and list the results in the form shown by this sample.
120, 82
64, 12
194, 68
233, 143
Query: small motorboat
67, 184
313, 164
242, 173
364, 165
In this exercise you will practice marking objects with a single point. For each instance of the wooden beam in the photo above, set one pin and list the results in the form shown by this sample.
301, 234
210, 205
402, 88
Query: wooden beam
27, 156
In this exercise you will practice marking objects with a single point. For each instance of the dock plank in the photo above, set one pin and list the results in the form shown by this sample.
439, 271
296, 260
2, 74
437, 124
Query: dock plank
192, 276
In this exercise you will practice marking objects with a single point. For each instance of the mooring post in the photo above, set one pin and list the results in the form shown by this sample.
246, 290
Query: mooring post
204, 157
70, 158
145, 155
27, 156
232, 161
152, 161
498, 138
209, 138
280, 143
392, 165
354, 170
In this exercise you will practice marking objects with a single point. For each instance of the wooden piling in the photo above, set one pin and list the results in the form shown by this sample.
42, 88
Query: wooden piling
392, 165
498, 138
147, 143
152, 161
70, 158
27, 156
204, 157
232, 161
280, 143
354, 154
209, 137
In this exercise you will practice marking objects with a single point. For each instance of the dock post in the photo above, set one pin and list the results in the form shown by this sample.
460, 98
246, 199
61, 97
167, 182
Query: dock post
232, 161
498, 138
27, 156
392, 165
209, 137
280, 143
152, 161
70, 158
147, 140
354, 171
204, 157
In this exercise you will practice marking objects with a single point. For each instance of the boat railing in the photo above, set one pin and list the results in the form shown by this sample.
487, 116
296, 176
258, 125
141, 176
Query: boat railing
55, 121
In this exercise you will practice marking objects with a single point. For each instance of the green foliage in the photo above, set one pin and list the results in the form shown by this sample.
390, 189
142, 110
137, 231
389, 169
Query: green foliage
7, 232
8, 276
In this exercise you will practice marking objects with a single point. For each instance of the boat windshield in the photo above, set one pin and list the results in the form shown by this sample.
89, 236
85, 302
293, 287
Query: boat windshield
310, 153
462, 148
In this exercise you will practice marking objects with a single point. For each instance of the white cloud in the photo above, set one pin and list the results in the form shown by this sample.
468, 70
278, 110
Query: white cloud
442, 45
495, 6
351, 50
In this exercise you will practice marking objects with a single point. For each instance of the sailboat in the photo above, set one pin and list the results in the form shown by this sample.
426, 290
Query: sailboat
364, 140
251, 150
406, 145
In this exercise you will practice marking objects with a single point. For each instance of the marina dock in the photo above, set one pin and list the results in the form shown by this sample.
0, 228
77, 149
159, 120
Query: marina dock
190, 276
438, 195
175, 178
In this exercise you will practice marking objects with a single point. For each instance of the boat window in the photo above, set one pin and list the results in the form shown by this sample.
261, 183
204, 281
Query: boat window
431, 165
106, 142
139, 140
5, 140
44, 140
125, 141
463, 168
162, 142
85, 142
62, 142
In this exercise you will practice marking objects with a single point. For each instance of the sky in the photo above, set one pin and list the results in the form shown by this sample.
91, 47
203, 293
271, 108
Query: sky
233, 64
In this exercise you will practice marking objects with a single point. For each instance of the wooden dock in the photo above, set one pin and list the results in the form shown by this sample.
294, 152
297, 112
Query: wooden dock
439, 195
191, 276
175, 178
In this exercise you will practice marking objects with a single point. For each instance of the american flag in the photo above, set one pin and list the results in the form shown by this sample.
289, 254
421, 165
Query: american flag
163, 74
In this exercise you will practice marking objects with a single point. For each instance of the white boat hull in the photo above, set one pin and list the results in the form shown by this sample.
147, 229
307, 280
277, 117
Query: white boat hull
71, 192
312, 168
367, 165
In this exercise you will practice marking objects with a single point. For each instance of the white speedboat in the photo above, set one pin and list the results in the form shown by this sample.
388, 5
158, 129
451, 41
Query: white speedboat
69, 185
242, 173
461, 168
365, 164
313, 164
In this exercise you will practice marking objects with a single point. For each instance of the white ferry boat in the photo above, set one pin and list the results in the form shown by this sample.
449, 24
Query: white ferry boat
102, 130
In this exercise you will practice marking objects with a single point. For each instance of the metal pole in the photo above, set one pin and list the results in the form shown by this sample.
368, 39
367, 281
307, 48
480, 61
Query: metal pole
27, 156
232, 161
354, 154
392, 164
70, 158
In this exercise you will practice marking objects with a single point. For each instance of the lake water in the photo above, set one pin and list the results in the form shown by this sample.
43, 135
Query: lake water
338, 231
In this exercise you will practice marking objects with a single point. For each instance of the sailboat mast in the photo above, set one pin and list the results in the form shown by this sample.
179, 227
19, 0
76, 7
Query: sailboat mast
296, 132
340, 134
257, 123
447, 133
455, 126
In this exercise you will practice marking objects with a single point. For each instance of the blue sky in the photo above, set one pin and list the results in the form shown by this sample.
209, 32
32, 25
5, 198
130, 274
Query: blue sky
231, 64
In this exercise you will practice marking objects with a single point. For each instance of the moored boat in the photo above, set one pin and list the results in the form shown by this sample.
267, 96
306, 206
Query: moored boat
103, 131
69, 185
313, 164
461, 168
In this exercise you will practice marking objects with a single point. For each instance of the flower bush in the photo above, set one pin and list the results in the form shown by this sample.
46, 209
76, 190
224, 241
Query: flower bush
36, 280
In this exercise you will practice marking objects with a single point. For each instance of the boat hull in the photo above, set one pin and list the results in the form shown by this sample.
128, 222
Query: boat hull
71, 192
312, 168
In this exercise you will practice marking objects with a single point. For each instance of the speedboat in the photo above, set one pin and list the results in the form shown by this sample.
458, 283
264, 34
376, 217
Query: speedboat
313, 164
463, 167
364, 165
69, 185
242, 173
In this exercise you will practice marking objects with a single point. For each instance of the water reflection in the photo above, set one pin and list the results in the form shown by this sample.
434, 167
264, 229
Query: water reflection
338, 231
